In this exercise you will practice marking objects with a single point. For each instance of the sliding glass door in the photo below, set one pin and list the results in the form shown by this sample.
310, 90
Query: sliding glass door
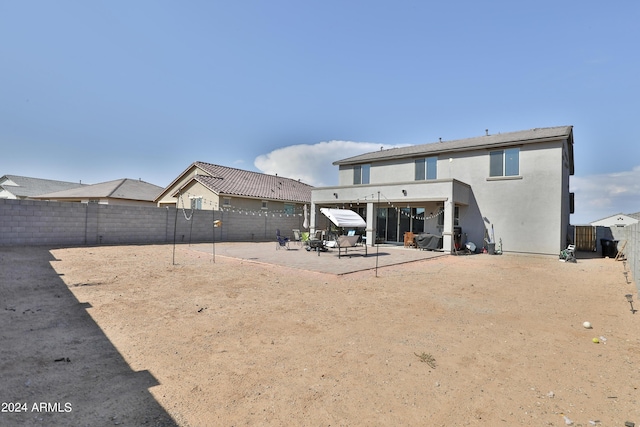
392, 223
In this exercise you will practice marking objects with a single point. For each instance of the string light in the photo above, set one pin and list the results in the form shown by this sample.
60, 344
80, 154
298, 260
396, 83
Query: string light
273, 214
402, 210
214, 204
184, 212
298, 209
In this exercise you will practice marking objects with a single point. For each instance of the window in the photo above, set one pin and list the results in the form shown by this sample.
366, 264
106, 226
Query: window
289, 208
571, 202
426, 168
504, 162
361, 174
196, 202
456, 216
226, 202
264, 205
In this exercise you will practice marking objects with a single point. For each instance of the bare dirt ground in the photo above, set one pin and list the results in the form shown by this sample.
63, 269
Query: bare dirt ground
122, 336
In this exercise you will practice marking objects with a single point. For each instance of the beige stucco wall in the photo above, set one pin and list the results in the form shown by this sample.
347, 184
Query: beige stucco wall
167, 195
210, 200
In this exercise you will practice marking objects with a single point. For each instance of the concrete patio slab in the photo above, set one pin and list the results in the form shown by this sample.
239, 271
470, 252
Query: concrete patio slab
324, 262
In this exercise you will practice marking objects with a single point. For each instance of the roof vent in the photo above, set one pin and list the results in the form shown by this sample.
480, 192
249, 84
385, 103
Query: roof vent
487, 131
440, 139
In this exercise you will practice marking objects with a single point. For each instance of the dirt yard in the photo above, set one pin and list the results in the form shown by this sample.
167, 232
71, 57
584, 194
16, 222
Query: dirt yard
123, 336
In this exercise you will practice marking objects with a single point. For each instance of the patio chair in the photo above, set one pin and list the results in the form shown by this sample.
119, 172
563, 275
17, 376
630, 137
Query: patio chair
283, 242
297, 237
305, 238
346, 242
409, 239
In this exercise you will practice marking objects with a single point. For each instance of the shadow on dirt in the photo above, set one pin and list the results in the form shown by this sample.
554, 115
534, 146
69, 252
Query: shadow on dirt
58, 367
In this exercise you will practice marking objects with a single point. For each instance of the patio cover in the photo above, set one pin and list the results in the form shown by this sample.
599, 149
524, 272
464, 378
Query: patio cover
344, 217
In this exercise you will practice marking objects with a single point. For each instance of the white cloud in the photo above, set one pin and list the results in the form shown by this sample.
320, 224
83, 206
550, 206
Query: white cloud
312, 164
599, 196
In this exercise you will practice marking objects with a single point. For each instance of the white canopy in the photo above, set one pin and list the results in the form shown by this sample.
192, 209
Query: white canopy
344, 217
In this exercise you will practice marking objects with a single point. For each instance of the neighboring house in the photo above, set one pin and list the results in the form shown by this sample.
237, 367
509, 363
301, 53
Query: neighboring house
23, 187
511, 188
618, 220
213, 187
118, 192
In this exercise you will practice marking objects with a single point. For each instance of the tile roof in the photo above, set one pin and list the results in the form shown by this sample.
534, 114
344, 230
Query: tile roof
129, 189
29, 187
238, 182
486, 141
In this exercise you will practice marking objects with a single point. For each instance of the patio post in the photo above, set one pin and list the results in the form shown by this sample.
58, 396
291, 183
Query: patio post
312, 220
371, 222
447, 233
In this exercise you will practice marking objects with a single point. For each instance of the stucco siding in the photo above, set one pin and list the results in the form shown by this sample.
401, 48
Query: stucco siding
525, 211
195, 189
529, 212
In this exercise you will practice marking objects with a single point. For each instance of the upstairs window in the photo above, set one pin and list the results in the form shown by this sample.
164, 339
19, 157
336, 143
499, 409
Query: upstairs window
504, 162
265, 205
361, 174
426, 168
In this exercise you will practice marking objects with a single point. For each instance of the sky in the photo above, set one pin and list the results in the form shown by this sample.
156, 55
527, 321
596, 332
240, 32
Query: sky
100, 90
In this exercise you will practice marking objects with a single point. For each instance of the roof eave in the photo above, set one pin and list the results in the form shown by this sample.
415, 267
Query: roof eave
178, 178
359, 159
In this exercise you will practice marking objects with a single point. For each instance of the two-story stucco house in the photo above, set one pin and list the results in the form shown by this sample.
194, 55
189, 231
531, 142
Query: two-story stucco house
510, 188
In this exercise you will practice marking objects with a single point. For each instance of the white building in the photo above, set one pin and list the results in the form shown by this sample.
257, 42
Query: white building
511, 187
617, 220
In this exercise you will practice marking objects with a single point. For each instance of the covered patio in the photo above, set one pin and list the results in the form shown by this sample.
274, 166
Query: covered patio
390, 210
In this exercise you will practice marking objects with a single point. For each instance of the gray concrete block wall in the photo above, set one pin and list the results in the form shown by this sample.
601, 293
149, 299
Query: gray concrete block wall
27, 222
130, 224
30, 222
257, 226
198, 228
